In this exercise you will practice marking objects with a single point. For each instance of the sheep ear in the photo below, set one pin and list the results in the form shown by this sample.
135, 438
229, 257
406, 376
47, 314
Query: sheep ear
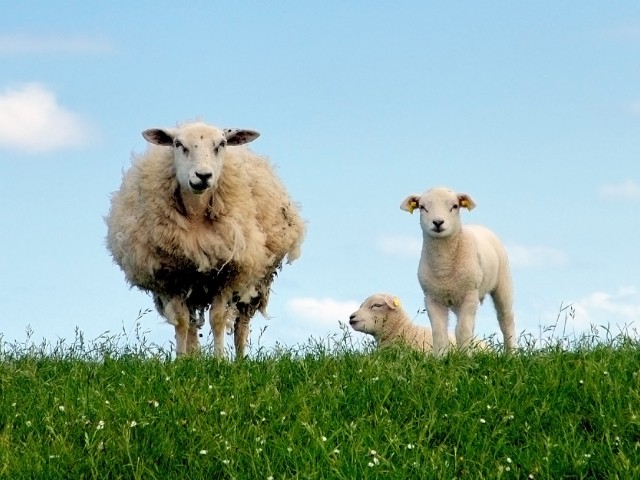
466, 201
410, 203
238, 136
159, 136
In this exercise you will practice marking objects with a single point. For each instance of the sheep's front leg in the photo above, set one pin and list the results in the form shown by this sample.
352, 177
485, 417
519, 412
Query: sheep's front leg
439, 318
177, 314
466, 323
218, 321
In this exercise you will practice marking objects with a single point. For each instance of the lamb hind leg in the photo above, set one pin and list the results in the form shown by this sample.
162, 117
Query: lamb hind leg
502, 301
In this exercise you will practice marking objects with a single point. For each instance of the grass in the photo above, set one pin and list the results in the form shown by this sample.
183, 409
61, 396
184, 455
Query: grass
325, 410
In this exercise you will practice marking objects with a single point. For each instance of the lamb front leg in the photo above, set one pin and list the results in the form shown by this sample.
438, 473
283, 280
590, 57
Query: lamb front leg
466, 323
439, 318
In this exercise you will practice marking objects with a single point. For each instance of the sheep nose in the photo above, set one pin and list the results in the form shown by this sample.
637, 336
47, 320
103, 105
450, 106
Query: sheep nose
352, 317
438, 223
204, 177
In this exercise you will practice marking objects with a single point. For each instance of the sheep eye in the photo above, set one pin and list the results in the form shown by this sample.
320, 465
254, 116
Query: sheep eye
178, 144
455, 207
423, 209
376, 305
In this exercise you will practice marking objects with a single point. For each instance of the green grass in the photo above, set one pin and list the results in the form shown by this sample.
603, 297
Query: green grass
324, 410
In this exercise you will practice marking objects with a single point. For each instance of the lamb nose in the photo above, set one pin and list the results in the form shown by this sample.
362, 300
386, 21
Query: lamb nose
353, 315
204, 176
438, 223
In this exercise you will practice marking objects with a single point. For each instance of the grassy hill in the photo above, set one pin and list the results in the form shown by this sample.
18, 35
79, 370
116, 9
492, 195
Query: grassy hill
322, 411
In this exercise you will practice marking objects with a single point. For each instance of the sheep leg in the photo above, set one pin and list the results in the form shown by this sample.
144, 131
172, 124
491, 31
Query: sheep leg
218, 321
241, 334
502, 301
439, 318
177, 314
466, 323
193, 342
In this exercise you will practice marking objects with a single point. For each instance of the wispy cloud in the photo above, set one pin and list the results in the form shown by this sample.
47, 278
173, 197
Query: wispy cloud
525, 256
405, 246
31, 120
625, 190
322, 312
23, 43
621, 308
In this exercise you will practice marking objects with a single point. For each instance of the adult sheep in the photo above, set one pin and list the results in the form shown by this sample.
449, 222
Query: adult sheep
459, 266
201, 222
381, 315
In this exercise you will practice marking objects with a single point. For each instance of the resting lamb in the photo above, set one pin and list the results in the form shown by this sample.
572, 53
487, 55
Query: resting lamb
201, 222
459, 265
382, 316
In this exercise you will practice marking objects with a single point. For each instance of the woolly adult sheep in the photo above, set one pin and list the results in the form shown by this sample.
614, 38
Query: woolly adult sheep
381, 315
201, 222
459, 265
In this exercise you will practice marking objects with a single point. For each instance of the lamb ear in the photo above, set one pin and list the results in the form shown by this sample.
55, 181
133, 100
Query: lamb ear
392, 302
410, 203
240, 136
159, 136
466, 201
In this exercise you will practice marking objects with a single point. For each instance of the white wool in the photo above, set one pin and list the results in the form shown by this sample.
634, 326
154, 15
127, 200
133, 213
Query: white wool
202, 222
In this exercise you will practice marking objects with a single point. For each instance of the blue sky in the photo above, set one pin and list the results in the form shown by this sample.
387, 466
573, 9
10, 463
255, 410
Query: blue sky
532, 108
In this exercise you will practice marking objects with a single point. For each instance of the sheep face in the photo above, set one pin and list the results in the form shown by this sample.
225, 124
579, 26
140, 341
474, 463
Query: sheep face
370, 317
439, 210
198, 151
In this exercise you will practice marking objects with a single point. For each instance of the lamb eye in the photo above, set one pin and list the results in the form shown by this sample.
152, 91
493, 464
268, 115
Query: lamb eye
455, 207
376, 305
423, 209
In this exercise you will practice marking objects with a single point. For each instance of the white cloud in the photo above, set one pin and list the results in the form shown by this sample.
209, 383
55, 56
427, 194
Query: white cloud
32, 120
325, 312
620, 309
406, 246
20, 43
522, 256
625, 190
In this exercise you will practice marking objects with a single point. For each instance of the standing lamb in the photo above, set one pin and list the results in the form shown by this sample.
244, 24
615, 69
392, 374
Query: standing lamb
201, 222
458, 267
382, 316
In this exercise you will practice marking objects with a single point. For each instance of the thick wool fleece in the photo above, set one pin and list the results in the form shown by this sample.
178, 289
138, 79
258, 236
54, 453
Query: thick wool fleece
247, 228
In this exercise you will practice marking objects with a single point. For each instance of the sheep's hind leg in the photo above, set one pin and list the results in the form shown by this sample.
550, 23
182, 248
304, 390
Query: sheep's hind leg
241, 334
218, 321
196, 320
